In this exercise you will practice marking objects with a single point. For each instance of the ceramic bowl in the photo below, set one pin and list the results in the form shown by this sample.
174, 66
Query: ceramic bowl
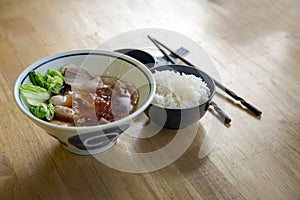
92, 140
140, 55
180, 118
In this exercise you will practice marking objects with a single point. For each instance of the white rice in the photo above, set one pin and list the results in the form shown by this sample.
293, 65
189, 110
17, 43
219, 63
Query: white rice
175, 90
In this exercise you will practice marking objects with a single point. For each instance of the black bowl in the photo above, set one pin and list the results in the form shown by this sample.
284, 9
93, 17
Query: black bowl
142, 56
180, 118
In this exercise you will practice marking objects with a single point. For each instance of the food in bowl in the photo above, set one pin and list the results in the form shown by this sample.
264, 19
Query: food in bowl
73, 96
175, 90
179, 117
91, 140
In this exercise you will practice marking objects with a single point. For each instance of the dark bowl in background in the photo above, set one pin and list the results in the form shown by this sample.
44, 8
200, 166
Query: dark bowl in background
140, 55
180, 118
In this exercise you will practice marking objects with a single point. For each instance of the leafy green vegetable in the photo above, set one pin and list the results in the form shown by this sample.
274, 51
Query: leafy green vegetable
51, 110
54, 84
36, 93
53, 81
42, 111
39, 110
37, 79
54, 73
33, 94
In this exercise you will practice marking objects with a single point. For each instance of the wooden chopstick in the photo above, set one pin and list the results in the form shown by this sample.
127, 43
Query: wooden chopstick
221, 113
250, 107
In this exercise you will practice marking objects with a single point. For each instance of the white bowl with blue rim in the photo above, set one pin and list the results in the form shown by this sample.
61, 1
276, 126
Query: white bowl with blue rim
92, 140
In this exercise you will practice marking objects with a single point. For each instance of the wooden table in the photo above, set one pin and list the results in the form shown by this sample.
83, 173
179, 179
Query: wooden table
255, 46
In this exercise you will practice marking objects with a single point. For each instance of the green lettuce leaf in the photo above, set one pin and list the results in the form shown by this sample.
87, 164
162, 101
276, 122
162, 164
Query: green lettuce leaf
33, 94
42, 111
36, 78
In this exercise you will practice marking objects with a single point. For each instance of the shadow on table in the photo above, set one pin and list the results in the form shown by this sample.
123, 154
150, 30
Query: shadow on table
58, 174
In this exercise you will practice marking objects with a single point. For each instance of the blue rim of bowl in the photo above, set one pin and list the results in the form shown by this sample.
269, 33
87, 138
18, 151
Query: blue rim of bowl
82, 54
41, 62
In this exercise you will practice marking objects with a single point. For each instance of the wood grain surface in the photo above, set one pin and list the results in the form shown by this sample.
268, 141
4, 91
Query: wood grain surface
255, 46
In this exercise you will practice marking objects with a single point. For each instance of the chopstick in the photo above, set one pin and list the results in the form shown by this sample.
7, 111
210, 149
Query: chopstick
250, 107
169, 58
221, 113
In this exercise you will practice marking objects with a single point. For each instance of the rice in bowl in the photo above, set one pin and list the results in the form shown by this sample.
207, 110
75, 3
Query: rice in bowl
175, 90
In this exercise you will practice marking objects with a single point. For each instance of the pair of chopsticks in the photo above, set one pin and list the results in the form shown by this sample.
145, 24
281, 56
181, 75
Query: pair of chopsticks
250, 107
224, 117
